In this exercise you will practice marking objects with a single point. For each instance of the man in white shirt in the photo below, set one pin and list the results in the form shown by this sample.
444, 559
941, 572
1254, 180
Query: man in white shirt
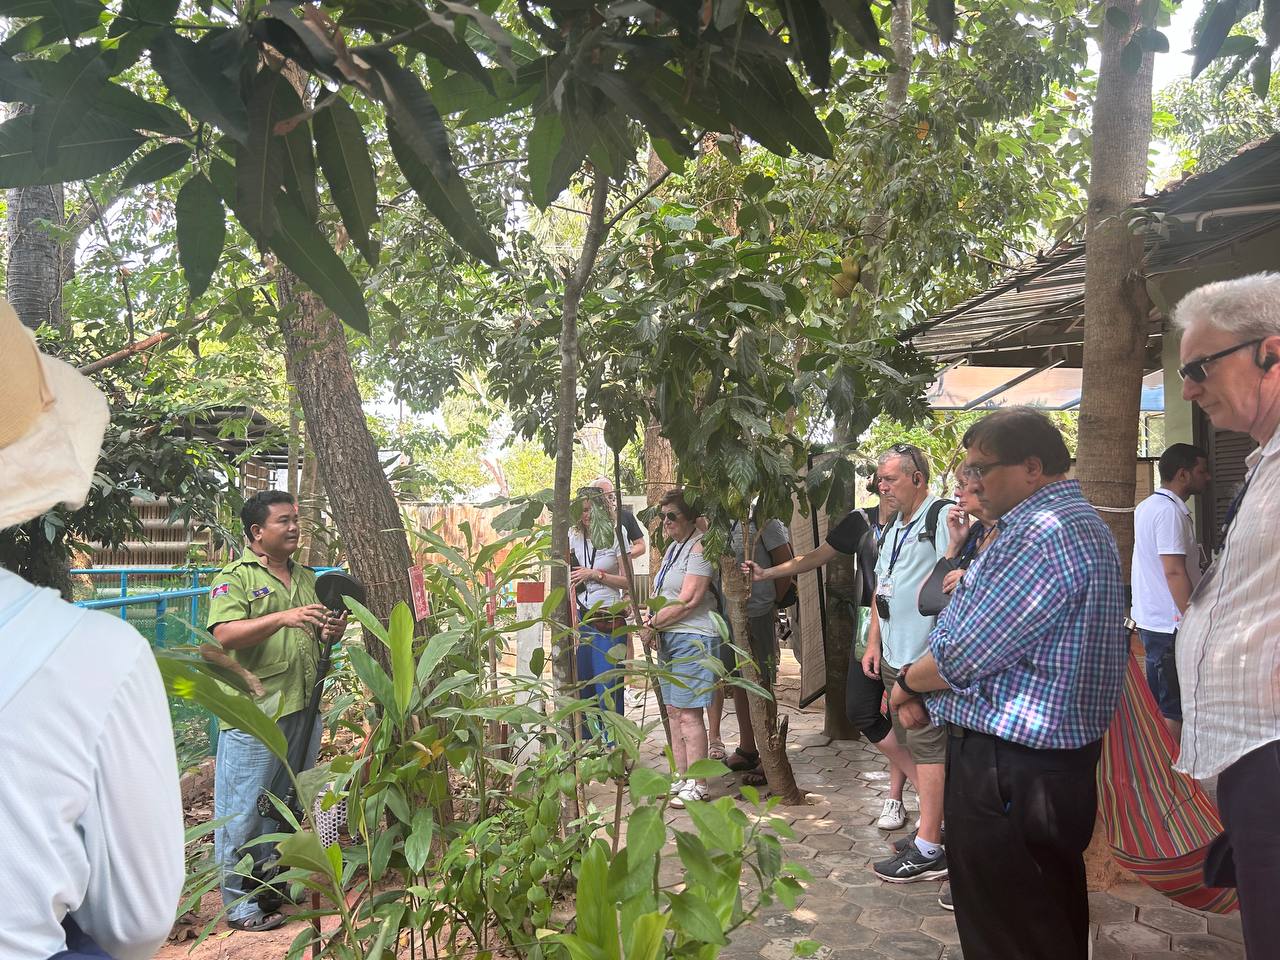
90, 811
1166, 568
1229, 640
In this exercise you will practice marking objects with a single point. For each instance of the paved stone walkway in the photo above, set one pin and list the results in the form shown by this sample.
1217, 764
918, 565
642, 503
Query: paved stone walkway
855, 916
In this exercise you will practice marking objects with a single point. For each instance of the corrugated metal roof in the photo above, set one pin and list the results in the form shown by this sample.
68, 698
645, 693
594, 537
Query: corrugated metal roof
1035, 314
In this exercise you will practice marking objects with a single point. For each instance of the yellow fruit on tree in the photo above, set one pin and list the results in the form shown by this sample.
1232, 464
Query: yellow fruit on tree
851, 268
842, 286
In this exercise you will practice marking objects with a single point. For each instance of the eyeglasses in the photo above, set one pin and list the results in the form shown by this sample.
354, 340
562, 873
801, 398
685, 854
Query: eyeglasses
1195, 369
907, 450
670, 515
976, 471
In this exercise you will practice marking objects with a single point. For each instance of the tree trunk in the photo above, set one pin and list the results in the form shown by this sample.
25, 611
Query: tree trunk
564, 652
843, 581
771, 737
1116, 303
34, 271
33, 286
363, 505
1116, 307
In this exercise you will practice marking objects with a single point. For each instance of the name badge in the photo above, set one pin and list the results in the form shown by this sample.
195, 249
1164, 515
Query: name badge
885, 587
259, 593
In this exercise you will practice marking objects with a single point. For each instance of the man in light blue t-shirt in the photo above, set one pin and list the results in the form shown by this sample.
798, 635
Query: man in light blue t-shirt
916, 538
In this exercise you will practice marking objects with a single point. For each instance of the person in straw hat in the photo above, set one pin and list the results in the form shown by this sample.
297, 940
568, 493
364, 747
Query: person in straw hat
90, 810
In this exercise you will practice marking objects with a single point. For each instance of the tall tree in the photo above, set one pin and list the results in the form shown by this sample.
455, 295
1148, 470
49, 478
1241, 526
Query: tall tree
1116, 301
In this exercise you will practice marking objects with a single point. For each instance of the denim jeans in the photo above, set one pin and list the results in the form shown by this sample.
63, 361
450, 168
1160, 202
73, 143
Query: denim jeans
1162, 671
594, 646
243, 769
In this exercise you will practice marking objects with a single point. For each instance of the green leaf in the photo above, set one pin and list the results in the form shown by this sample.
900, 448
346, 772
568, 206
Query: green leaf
647, 783
596, 915
195, 74
449, 201
417, 846
706, 768
1261, 71
17, 83
299, 243
811, 36
304, 851
187, 681
438, 647
431, 33
697, 862
858, 21
202, 230
544, 144
344, 158
695, 920
417, 119
400, 632
537, 660
92, 146
1214, 28
368, 620
124, 106
69, 85
646, 833
300, 169
166, 159
372, 676
643, 939
260, 160
806, 948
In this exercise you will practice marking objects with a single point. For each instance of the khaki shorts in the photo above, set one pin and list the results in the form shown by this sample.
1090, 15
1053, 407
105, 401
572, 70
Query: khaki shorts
927, 745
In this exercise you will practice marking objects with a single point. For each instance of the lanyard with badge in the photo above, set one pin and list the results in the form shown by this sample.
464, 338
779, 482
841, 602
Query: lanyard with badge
669, 563
1186, 520
884, 585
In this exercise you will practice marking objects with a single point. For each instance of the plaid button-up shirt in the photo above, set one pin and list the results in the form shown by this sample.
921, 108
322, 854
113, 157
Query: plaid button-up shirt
1033, 643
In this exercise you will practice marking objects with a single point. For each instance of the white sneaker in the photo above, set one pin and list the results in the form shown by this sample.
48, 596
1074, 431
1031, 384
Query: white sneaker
892, 815
693, 790
677, 786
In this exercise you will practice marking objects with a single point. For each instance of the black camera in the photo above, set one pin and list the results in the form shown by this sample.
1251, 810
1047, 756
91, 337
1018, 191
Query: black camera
882, 606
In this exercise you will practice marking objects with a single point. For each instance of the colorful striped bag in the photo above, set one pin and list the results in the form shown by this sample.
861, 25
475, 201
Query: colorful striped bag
1158, 821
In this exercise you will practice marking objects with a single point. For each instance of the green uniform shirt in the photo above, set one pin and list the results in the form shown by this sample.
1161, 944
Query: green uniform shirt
286, 661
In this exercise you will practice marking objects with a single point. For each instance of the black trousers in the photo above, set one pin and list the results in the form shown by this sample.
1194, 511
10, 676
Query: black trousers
1018, 823
1249, 800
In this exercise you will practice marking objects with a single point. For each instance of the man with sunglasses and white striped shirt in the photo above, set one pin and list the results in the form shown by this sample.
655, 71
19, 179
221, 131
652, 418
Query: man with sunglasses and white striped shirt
1229, 640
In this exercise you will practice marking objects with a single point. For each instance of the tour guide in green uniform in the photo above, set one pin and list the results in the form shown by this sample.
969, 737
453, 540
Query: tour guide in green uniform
264, 611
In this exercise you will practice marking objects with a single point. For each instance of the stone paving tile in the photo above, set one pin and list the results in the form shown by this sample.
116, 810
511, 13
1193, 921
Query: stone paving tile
857, 917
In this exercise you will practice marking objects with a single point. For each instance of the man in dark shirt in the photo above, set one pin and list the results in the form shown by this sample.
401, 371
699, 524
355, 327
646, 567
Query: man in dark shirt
852, 537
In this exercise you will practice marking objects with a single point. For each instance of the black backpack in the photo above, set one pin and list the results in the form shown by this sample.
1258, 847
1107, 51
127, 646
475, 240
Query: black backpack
930, 532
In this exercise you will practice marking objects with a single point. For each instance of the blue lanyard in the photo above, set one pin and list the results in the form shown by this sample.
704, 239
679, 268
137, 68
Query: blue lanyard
898, 541
669, 563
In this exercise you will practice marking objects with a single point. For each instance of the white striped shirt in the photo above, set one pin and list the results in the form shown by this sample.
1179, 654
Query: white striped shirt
1229, 643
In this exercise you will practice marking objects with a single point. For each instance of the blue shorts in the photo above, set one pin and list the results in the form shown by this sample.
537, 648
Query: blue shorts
1162, 672
691, 680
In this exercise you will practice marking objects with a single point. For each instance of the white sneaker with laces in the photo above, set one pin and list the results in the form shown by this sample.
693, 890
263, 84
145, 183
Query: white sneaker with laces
693, 790
892, 815
677, 786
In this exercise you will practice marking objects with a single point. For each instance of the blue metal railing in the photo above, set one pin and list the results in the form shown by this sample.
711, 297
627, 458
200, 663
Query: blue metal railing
161, 601
124, 573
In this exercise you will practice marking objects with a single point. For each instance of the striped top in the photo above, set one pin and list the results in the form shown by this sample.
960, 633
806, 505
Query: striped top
1032, 643
1229, 642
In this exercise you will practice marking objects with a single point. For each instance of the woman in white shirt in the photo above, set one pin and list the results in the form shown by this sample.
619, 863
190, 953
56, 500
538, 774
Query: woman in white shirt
599, 587
687, 638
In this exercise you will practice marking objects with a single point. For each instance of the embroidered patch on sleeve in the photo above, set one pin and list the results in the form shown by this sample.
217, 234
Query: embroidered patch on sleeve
261, 592
219, 590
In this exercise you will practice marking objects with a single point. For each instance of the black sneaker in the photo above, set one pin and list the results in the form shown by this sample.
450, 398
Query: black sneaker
944, 899
911, 865
903, 842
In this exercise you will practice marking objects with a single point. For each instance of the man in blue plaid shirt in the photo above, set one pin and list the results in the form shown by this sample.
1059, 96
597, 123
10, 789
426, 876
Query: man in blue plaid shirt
1024, 669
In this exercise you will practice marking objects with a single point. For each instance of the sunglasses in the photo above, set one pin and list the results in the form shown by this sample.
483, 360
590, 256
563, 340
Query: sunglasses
976, 471
670, 515
907, 450
1195, 370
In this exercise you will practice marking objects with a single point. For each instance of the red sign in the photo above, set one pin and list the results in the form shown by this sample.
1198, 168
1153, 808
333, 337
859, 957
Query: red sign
418, 586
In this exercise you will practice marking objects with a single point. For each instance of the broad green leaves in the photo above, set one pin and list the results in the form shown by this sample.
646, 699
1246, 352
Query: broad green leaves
204, 77
95, 145
344, 158
202, 229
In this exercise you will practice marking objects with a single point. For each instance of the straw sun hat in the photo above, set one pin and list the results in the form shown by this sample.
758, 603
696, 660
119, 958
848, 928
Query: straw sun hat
51, 424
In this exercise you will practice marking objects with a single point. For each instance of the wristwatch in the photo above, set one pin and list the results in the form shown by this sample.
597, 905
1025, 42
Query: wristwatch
902, 682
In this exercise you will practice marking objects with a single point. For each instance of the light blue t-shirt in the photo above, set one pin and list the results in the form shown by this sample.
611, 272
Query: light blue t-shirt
904, 636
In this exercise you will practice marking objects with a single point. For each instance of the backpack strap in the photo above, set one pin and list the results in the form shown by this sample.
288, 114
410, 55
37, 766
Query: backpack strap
930, 532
